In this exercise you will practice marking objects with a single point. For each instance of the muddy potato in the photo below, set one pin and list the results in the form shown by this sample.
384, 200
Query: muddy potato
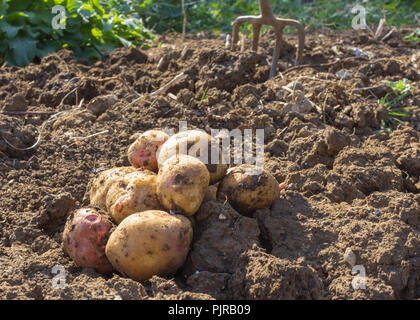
182, 183
198, 144
142, 153
247, 189
85, 236
100, 185
150, 243
134, 192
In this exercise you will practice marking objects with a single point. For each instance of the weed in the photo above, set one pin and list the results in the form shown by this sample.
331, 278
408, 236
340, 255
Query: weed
395, 113
413, 37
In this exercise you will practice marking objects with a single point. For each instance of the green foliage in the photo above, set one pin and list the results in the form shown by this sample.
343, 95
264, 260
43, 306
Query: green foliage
217, 15
95, 27
396, 114
92, 28
413, 37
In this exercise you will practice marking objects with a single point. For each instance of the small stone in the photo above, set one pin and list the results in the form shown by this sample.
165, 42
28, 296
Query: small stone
350, 257
101, 104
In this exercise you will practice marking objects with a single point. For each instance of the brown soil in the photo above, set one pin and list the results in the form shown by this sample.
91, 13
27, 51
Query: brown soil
347, 187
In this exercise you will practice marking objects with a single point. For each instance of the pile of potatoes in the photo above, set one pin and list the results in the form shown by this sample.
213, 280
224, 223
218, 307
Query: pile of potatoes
139, 218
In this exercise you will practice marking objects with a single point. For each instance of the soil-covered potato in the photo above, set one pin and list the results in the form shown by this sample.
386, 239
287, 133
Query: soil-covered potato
198, 144
134, 192
124, 191
85, 236
150, 243
182, 183
101, 184
143, 152
248, 188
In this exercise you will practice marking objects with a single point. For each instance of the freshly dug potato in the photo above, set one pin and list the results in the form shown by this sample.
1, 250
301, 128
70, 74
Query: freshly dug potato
142, 153
134, 192
182, 183
198, 144
101, 184
150, 243
85, 236
248, 189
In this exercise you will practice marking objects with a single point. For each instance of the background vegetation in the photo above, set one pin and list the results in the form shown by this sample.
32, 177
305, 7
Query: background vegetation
95, 27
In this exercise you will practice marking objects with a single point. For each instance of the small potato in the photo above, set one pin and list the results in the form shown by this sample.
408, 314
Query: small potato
85, 236
150, 243
181, 184
142, 153
134, 192
101, 184
198, 144
248, 189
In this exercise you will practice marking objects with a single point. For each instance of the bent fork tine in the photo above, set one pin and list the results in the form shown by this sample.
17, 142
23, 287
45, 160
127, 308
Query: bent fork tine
256, 38
276, 53
301, 35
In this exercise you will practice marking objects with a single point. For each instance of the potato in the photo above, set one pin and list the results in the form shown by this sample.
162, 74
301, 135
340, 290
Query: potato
134, 192
85, 235
248, 189
101, 184
142, 153
198, 144
150, 243
182, 183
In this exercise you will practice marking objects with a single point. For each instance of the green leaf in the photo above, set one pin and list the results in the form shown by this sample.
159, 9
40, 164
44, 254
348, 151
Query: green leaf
97, 33
20, 5
9, 30
24, 50
73, 5
124, 41
97, 5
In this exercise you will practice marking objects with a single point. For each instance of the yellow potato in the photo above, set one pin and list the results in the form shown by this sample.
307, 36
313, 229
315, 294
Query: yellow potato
182, 183
134, 192
149, 243
142, 152
248, 188
101, 184
198, 144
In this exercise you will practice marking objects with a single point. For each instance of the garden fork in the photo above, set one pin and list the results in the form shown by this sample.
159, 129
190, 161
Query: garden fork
267, 18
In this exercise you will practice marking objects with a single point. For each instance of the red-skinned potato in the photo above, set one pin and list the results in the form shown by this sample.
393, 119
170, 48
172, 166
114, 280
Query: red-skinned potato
85, 236
198, 144
182, 183
150, 243
248, 188
143, 152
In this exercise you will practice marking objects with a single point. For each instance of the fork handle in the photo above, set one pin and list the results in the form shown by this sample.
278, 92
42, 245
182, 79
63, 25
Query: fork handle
265, 7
